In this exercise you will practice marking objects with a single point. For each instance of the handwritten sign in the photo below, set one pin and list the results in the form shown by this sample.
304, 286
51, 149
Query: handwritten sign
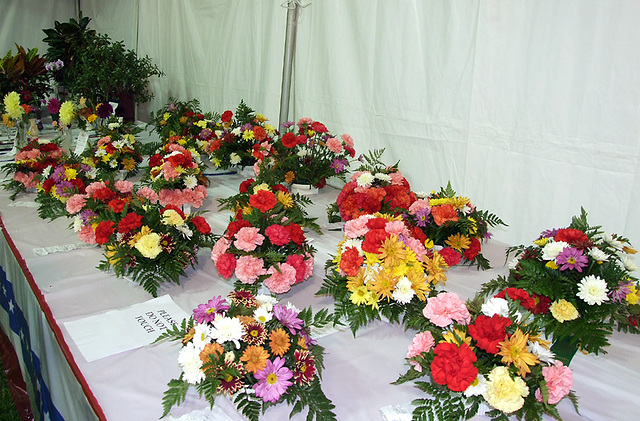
116, 331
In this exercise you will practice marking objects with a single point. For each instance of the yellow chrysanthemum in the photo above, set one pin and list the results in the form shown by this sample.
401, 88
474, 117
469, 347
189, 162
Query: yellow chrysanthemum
419, 282
129, 163
361, 295
458, 241
12, 105
632, 297
70, 173
255, 358
269, 129
436, 268
355, 282
7, 121
92, 118
279, 341
67, 112
541, 241
457, 337
261, 118
289, 177
383, 283
247, 135
514, 351
285, 199
392, 251
442, 201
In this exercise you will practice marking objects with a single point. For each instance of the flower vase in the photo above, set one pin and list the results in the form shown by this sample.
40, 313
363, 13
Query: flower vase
20, 140
121, 175
33, 128
66, 139
305, 189
565, 347
187, 209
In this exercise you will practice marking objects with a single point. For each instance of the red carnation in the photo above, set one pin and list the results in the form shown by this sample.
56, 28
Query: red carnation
289, 140
376, 223
453, 366
320, 184
350, 261
226, 264
316, 126
226, 116
518, 294
450, 256
244, 186
109, 148
259, 133
201, 224
235, 226
571, 236
488, 332
444, 213
104, 231
350, 151
117, 205
296, 234
473, 250
263, 200
419, 234
278, 235
280, 187
297, 261
48, 184
374, 239
155, 161
130, 222
542, 304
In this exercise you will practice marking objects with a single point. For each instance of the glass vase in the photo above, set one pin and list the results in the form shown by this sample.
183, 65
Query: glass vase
20, 140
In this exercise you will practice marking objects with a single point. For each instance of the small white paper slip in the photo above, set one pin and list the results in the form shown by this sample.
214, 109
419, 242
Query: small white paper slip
120, 330
402, 412
81, 142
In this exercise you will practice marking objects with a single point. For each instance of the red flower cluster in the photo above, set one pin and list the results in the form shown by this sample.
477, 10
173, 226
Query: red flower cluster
453, 366
488, 332
263, 200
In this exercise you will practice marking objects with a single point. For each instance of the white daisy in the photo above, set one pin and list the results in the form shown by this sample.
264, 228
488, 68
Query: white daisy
403, 292
227, 329
118, 144
191, 364
552, 249
477, 387
598, 255
202, 335
593, 290
263, 314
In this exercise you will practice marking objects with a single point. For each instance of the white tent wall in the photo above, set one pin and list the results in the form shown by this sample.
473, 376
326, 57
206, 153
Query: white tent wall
530, 108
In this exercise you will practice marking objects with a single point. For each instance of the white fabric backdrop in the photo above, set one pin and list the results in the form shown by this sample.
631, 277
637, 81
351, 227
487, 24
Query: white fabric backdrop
530, 108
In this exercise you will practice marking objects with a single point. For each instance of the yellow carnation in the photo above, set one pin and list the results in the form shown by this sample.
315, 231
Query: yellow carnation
504, 393
562, 310
149, 245
172, 217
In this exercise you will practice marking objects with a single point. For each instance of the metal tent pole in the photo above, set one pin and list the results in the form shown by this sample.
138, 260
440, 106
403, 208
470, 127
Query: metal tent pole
293, 10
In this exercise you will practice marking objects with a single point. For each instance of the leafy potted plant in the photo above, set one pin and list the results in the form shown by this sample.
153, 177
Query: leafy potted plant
24, 73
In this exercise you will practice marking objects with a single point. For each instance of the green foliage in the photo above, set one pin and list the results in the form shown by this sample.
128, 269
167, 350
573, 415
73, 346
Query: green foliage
66, 39
248, 405
175, 395
176, 332
441, 405
24, 73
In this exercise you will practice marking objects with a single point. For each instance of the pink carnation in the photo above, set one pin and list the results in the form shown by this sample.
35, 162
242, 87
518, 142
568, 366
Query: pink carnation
396, 178
148, 193
280, 282
559, 381
104, 140
124, 186
278, 235
248, 268
309, 264
169, 172
76, 203
418, 205
357, 227
94, 187
348, 140
31, 154
334, 145
87, 234
28, 180
248, 238
397, 228
219, 248
422, 342
256, 169
171, 197
445, 308
416, 246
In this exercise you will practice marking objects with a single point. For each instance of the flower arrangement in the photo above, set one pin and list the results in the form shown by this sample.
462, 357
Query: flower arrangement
78, 112
307, 153
183, 119
117, 150
373, 187
142, 239
31, 161
483, 353
239, 138
176, 174
380, 270
253, 350
580, 278
264, 243
16, 114
455, 224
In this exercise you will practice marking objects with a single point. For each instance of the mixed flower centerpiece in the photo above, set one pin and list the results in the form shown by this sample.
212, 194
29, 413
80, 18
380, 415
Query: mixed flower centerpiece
183, 120
373, 187
580, 279
16, 114
380, 270
453, 223
264, 244
255, 351
483, 354
56, 184
142, 239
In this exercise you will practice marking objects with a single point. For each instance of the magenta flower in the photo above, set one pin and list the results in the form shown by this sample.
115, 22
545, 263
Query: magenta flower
571, 258
207, 312
53, 105
288, 317
273, 380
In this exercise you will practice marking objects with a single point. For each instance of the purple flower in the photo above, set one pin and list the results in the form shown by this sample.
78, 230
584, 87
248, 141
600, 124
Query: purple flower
549, 233
273, 380
338, 165
53, 105
58, 173
207, 312
104, 110
65, 188
288, 317
571, 258
205, 133
171, 107
422, 217
87, 216
620, 294
287, 124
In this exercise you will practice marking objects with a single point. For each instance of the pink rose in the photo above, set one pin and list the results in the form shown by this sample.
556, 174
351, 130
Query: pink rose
248, 268
334, 145
422, 342
278, 235
445, 308
248, 238
280, 281
76, 203
220, 247
559, 381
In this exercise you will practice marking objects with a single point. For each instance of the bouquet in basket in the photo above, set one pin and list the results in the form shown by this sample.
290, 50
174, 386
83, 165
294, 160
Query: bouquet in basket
31, 161
373, 187
264, 243
255, 351
454, 223
142, 239
581, 279
483, 353
380, 270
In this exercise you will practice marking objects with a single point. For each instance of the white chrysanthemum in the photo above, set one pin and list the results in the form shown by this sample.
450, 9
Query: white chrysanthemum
303, 152
190, 181
292, 307
466, 210
403, 293
598, 255
234, 158
543, 354
43, 141
202, 335
477, 387
552, 249
113, 126
47, 172
268, 301
352, 242
593, 290
495, 305
191, 364
514, 262
608, 238
628, 263
185, 230
365, 179
227, 329
383, 177
237, 131
262, 314
77, 223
